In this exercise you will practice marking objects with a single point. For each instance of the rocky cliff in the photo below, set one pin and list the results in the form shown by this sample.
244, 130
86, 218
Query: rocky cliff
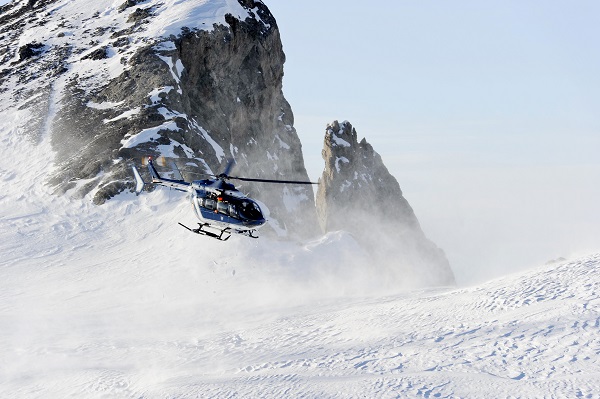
200, 82
358, 194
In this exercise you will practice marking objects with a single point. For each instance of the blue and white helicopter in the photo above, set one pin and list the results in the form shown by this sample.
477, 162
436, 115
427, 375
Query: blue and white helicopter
221, 208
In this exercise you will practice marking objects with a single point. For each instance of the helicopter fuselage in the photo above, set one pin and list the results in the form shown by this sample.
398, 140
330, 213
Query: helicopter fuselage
225, 207
216, 202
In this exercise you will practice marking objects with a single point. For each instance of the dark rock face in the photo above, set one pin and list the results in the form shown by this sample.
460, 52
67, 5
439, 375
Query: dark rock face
98, 54
358, 194
129, 3
30, 50
203, 96
139, 15
235, 93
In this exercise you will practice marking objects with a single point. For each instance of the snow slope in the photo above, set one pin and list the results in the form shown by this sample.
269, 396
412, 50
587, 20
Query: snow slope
118, 301
90, 25
71, 62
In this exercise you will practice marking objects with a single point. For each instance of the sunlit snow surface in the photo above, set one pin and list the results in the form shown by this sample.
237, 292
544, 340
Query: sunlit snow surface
118, 301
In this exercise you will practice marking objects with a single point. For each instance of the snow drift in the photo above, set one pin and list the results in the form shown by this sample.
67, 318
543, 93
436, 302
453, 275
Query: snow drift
119, 301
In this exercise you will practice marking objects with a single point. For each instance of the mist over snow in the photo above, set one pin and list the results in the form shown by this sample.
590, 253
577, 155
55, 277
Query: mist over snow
485, 113
119, 301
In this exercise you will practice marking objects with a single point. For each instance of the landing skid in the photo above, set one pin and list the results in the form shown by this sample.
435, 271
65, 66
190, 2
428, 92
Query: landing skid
247, 233
218, 236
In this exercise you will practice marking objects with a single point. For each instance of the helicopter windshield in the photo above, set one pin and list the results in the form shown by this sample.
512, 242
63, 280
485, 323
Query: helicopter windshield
250, 210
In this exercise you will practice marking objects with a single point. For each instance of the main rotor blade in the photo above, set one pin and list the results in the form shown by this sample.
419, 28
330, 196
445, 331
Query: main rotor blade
228, 168
271, 181
199, 174
217, 184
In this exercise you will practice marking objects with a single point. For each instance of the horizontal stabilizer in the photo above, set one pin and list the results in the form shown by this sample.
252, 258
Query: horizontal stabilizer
176, 172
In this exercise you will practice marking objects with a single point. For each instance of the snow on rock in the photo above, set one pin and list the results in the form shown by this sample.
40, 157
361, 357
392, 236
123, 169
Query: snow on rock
148, 135
173, 15
336, 135
104, 105
338, 160
219, 152
155, 94
124, 115
92, 75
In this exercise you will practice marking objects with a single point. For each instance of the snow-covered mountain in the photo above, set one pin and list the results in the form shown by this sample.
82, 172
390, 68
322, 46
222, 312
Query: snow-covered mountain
119, 301
109, 82
101, 85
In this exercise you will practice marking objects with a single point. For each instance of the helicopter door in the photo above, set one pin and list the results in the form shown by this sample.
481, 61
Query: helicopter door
222, 207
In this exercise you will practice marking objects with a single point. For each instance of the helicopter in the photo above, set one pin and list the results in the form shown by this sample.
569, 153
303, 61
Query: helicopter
221, 208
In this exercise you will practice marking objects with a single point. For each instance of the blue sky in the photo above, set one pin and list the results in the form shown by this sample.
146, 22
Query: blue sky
485, 112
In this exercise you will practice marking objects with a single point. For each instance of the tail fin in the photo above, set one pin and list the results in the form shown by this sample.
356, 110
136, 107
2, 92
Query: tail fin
176, 172
177, 184
155, 176
139, 182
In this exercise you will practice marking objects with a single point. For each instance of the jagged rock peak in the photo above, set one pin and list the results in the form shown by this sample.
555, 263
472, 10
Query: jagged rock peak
359, 195
355, 176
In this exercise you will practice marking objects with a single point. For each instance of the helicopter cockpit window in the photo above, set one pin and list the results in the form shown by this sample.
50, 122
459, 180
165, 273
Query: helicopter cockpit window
232, 211
250, 210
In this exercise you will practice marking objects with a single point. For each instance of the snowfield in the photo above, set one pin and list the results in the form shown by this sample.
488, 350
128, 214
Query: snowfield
118, 301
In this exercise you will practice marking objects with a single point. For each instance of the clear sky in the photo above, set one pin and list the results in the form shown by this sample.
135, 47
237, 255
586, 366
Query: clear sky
487, 113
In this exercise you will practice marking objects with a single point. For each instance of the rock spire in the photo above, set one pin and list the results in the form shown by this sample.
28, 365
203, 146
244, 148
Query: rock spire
358, 194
